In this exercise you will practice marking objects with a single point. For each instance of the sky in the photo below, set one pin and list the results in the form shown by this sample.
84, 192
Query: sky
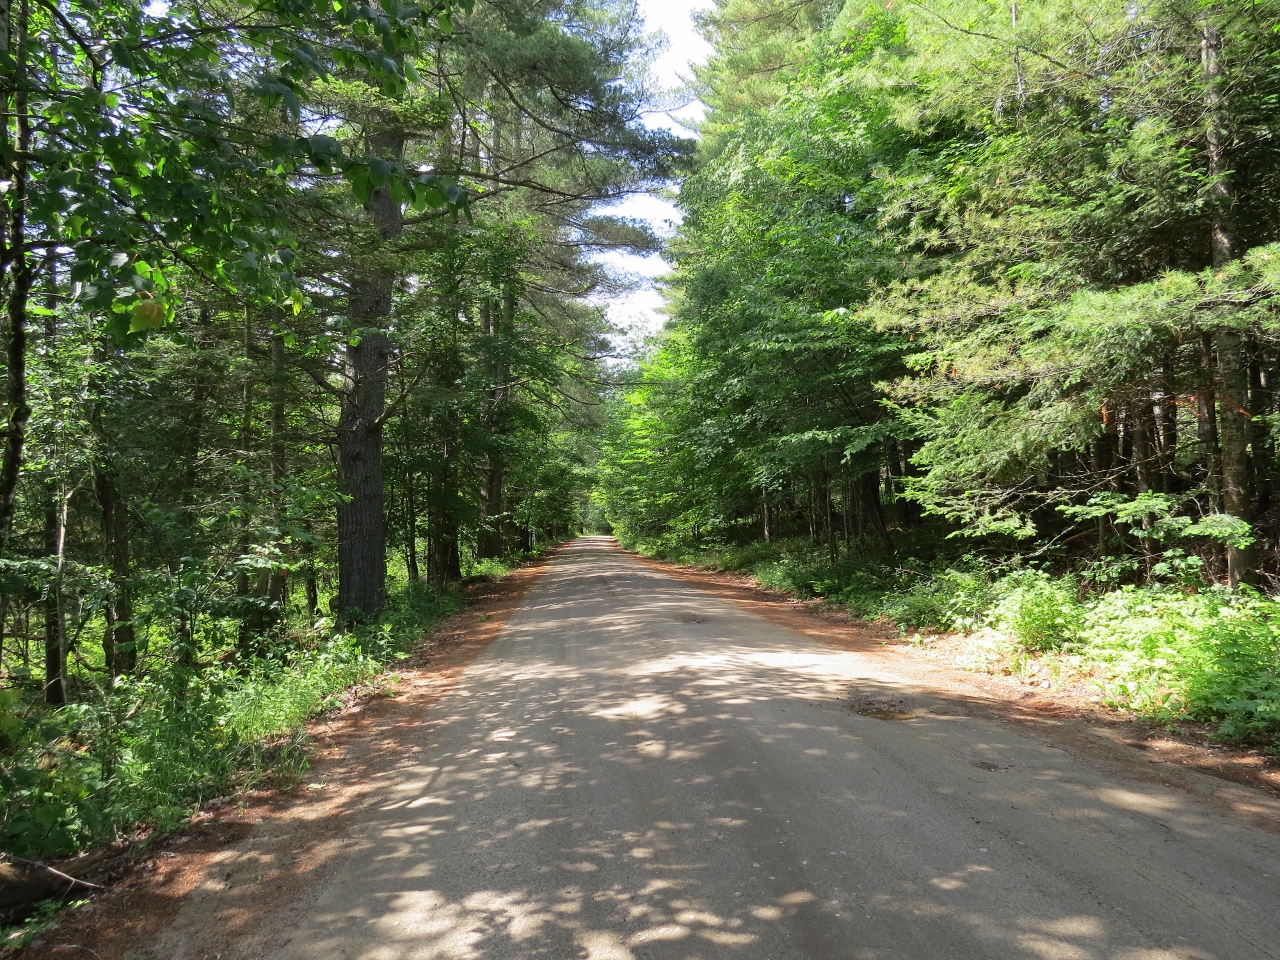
637, 311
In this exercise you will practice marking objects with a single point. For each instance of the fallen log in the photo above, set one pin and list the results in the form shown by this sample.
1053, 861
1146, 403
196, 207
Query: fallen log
24, 883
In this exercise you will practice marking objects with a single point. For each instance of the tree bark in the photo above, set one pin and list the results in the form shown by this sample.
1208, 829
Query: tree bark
1233, 368
55, 646
362, 522
1169, 427
119, 641
55, 633
16, 263
411, 528
1259, 432
491, 538
500, 323
276, 578
1207, 423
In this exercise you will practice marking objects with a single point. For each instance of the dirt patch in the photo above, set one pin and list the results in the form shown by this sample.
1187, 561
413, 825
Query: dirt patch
290, 834
1071, 715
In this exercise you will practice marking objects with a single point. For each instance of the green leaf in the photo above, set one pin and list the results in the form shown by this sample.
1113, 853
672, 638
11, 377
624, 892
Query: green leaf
147, 315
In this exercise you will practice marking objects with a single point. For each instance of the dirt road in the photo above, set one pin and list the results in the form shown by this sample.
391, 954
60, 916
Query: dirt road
636, 769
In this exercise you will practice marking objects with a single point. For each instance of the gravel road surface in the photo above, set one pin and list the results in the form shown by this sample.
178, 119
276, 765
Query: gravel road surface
636, 769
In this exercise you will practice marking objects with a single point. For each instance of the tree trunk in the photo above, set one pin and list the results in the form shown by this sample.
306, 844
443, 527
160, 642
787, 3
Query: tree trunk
276, 579
411, 528
118, 640
55, 646
362, 522
764, 512
310, 586
832, 550
18, 268
1207, 423
1233, 368
1144, 450
1169, 427
1259, 432
491, 538
872, 510
500, 322
1104, 457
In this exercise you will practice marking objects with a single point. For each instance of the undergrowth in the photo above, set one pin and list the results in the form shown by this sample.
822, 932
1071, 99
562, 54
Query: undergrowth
149, 751
1171, 648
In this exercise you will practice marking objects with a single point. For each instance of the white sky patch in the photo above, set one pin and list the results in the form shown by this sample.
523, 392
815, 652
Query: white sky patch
636, 313
685, 46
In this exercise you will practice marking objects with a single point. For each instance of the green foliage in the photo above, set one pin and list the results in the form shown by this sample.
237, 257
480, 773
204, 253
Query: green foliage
954, 598
1042, 612
199, 210
150, 750
1211, 656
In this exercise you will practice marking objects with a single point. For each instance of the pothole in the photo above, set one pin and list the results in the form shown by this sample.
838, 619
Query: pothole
988, 765
882, 713
882, 708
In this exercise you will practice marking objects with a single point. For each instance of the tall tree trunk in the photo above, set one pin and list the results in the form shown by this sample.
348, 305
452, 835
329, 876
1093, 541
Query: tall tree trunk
411, 528
1207, 422
1259, 432
500, 323
832, 549
1169, 426
362, 522
872, 510
1105, 450
18, 268
205, 373
55, 644
1144, 449
491, 536
276, 582
55, 633
1233, 367
310, 587
119, 641
248, 629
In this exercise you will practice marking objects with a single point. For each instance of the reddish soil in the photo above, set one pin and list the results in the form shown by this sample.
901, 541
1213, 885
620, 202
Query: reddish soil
1071, 714
303, 825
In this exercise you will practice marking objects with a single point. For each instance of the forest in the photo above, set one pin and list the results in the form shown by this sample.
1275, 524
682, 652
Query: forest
972, 328
301, 328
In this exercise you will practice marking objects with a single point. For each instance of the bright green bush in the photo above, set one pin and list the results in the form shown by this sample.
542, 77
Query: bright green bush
1211, 656
149, 750
1040, 611
955, 598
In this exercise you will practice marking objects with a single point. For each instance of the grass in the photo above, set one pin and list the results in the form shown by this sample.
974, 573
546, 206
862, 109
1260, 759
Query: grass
149, 751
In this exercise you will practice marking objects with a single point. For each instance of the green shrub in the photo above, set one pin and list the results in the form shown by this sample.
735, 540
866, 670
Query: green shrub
1211, 656
151, 748
1040, 611
746, 558
955, 598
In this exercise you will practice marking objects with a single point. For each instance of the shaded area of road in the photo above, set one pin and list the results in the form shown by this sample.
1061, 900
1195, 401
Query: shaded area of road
638, 770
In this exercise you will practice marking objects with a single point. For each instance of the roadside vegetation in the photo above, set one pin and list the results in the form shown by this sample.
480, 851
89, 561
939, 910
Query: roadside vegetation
146, 753
296, 338
973, 327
